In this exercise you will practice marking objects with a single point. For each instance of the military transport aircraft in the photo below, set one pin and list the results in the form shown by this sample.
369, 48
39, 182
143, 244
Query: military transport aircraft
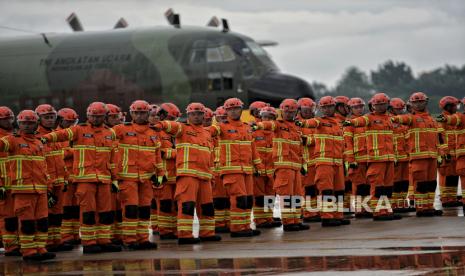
174, 63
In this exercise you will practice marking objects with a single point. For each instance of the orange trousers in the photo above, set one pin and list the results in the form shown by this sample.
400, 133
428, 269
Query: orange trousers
310, 194
136, 198
70, 224
117, 227
423, 173
448, 181
166, 213
460, 170
239, 187
360, 186
329, 180
8, 223
263, 187
401, 185
221, 203
32, 212
95, 215
288, 185
194, 195
55, 217
380, 176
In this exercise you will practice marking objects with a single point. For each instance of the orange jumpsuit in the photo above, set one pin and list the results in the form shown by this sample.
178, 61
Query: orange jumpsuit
8, 220
164, 196
380, 161
448, 177
27, 170
264, 183
347, 180
238, 160
287, 161
220, 196
356, 152
308, 181
54, 155
425, 146
328, 155
92, 173
401, 169
139, 160
194, 164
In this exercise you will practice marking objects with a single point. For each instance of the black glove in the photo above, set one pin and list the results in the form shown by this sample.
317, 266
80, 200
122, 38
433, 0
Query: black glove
43, 140
346, 123
65, 186
114, 186
299, 123
440, 118
2, 193
448, 158
52, 199
353, 165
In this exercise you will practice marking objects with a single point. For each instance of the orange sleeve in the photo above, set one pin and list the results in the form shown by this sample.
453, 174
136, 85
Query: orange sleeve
349, 144
67, 134
267, 125
405, 119
311, 123
360, 121
172, 128
159, 161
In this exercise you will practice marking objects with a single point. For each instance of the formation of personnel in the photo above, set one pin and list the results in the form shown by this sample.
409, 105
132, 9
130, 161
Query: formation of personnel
107, 184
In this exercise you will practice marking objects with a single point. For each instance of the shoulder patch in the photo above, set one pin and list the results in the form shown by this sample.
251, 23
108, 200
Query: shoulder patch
259, 138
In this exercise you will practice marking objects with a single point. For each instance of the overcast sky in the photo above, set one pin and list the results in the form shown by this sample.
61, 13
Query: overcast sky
318, 39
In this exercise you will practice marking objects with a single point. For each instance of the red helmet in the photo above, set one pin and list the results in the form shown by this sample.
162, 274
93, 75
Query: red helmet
220, 111
306, 102
356, 102
193, 107
68, 114
258, 105
154, 109
326, 100
268, 110
397, 103
45, 109
5, 112
113, 109
342, 100
233, 102
418, 96
448, 100
139, 105
289, 105
27, 116
171, 109
380, 98
208, 113
97, 109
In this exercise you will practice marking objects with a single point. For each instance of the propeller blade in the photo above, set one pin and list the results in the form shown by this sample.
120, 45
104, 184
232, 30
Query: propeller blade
267, 43
121, 24
173, 18
74, 23
214, 22
225, 25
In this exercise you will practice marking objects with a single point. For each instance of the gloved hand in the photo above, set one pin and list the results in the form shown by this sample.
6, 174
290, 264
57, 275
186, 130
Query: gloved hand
254, 127
158, 127
299, 123
114, 186
396, 163
51, 199
65, 186
441, 118
43, 140
353, 165
304, 139
448, 158
256, 173
346, 123
2, 193
304, 169
439, 159
161, 180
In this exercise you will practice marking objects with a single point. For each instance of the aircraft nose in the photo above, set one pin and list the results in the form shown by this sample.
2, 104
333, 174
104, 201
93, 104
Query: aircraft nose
274, 87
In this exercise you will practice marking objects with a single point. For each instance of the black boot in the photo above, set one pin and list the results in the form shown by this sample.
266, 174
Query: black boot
147, 245
265, 225
14, 253
188, 240
330, 222
170, 236
48, 256
242, 234
291, 228
312, 219
91, 249
222, 229
344, 221
33, 257
303, 227
214, 238
109, 247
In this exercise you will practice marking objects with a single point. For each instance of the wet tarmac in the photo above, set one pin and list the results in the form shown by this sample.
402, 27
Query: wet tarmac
411, 246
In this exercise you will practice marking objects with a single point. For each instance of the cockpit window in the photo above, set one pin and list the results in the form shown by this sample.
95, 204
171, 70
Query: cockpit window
220, 54
213, 55
256, 49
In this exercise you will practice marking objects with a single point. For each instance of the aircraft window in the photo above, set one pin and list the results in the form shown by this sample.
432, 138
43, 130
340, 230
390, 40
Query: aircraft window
198, 56
227, 52
228, 81
256, 49
214, 82
214, 55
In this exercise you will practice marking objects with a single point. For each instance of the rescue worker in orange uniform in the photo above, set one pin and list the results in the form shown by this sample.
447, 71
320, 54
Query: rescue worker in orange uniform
8, 219
154, 118
426, 148
263, 217
254, 109
328, 156
208, 117
30, 186
307, 111
194, 147
140, 166
54, 155
115, 117
401, 165
288, 164
238, 161
448, 177
67, 117
93, 171
220, 196
164, 194
356, 157
380, 151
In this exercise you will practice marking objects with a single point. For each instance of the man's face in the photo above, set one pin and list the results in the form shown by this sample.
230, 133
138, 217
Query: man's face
221, 119
328, 110
154, 118
67, 123
113, 120
255, 112
268, 117
207, 121
48, 120
7, 123
96, 120
28, 127
140, 117
398, 111
343, 109
307, 112
289, 115
234, 113
358, 110
419, 105
195, 118
380, 108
